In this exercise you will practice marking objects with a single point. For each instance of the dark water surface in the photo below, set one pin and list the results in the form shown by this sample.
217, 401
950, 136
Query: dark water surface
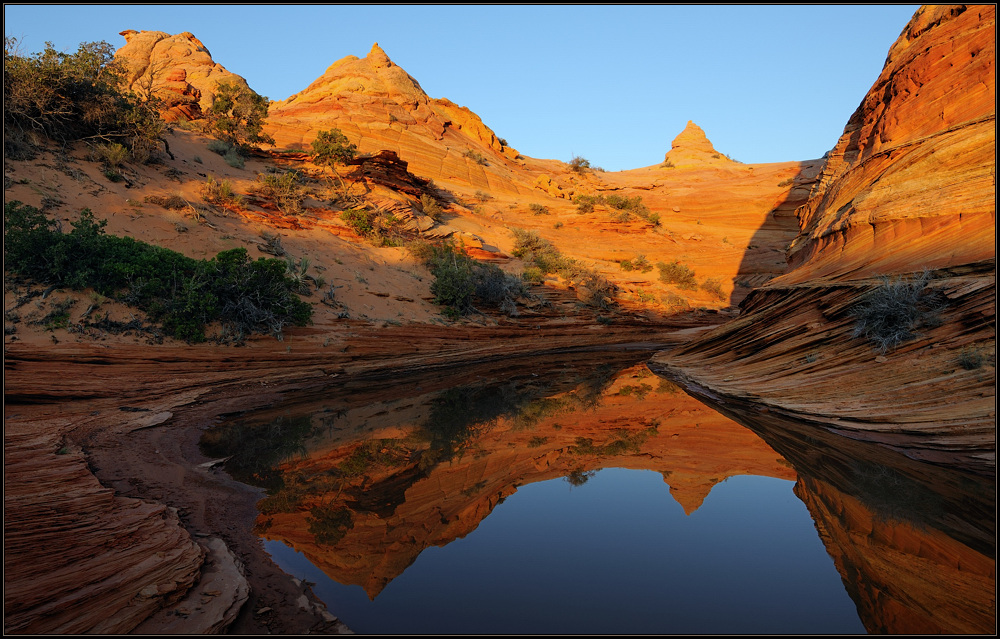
582, 494
617, 555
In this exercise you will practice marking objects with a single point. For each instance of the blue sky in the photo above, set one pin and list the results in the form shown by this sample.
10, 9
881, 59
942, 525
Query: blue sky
613, 84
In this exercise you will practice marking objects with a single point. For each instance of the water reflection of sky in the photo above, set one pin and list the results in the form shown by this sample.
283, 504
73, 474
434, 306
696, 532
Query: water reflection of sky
615, 555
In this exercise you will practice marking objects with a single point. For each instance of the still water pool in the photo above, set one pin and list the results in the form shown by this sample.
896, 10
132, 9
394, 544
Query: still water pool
583, 494
614, 555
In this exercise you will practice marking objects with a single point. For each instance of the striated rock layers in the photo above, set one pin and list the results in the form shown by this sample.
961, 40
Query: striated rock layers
379, 106
177, 69
909, 186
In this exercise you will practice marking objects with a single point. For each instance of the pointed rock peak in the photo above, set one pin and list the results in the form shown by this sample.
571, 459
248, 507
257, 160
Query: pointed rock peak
693, 138
378, 58
693, 148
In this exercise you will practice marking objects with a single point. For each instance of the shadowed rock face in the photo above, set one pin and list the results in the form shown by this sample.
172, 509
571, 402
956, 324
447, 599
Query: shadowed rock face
909, 186
915, 543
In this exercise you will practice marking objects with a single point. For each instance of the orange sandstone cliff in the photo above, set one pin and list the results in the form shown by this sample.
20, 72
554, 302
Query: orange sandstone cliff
910, 186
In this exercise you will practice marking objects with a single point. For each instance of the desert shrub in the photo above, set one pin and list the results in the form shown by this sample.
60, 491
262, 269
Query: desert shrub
74, 96
623, 208
626, 207
891, 313
377, 226
219, 147
667, 164
677, 274
112, 154
578, 164
461, 282
328, 525
532, 248
713, 286
585, 203
477, 157
972, 358
640, 263
216, 192
175, 201
234, 158
788, 182
238, 115
430, 207
533, 275
284, 189
539, 209
674, 302
331, 147
578, 477
181, 293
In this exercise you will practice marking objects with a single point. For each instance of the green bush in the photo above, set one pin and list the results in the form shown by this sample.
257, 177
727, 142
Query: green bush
182, 293
234, 159
461, 282
331, 147
219, 147
677, 274
238, 115
623, 208
74, 96
284, 189
640, 263
376, 226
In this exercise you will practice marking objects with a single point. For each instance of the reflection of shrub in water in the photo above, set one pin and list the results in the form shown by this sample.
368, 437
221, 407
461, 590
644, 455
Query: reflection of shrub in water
622, 441
892, 496
579, 477
329, 525
459, 415
373, 453
639, 390
257, 449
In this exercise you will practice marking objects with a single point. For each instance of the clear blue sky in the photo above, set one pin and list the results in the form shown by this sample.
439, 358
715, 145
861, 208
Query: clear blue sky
613, 84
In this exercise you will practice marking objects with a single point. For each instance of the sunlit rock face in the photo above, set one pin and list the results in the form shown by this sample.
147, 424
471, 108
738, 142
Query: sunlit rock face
911, 183
910, 186
177, 69
379, 106
692, 147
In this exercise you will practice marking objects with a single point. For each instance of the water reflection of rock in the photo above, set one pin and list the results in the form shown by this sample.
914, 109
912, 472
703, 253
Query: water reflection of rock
914, 542
383, 480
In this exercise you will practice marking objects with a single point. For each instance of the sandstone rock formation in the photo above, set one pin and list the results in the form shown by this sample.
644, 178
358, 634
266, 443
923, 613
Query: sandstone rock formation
910, 185
177, 69
692, 147
379, 106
